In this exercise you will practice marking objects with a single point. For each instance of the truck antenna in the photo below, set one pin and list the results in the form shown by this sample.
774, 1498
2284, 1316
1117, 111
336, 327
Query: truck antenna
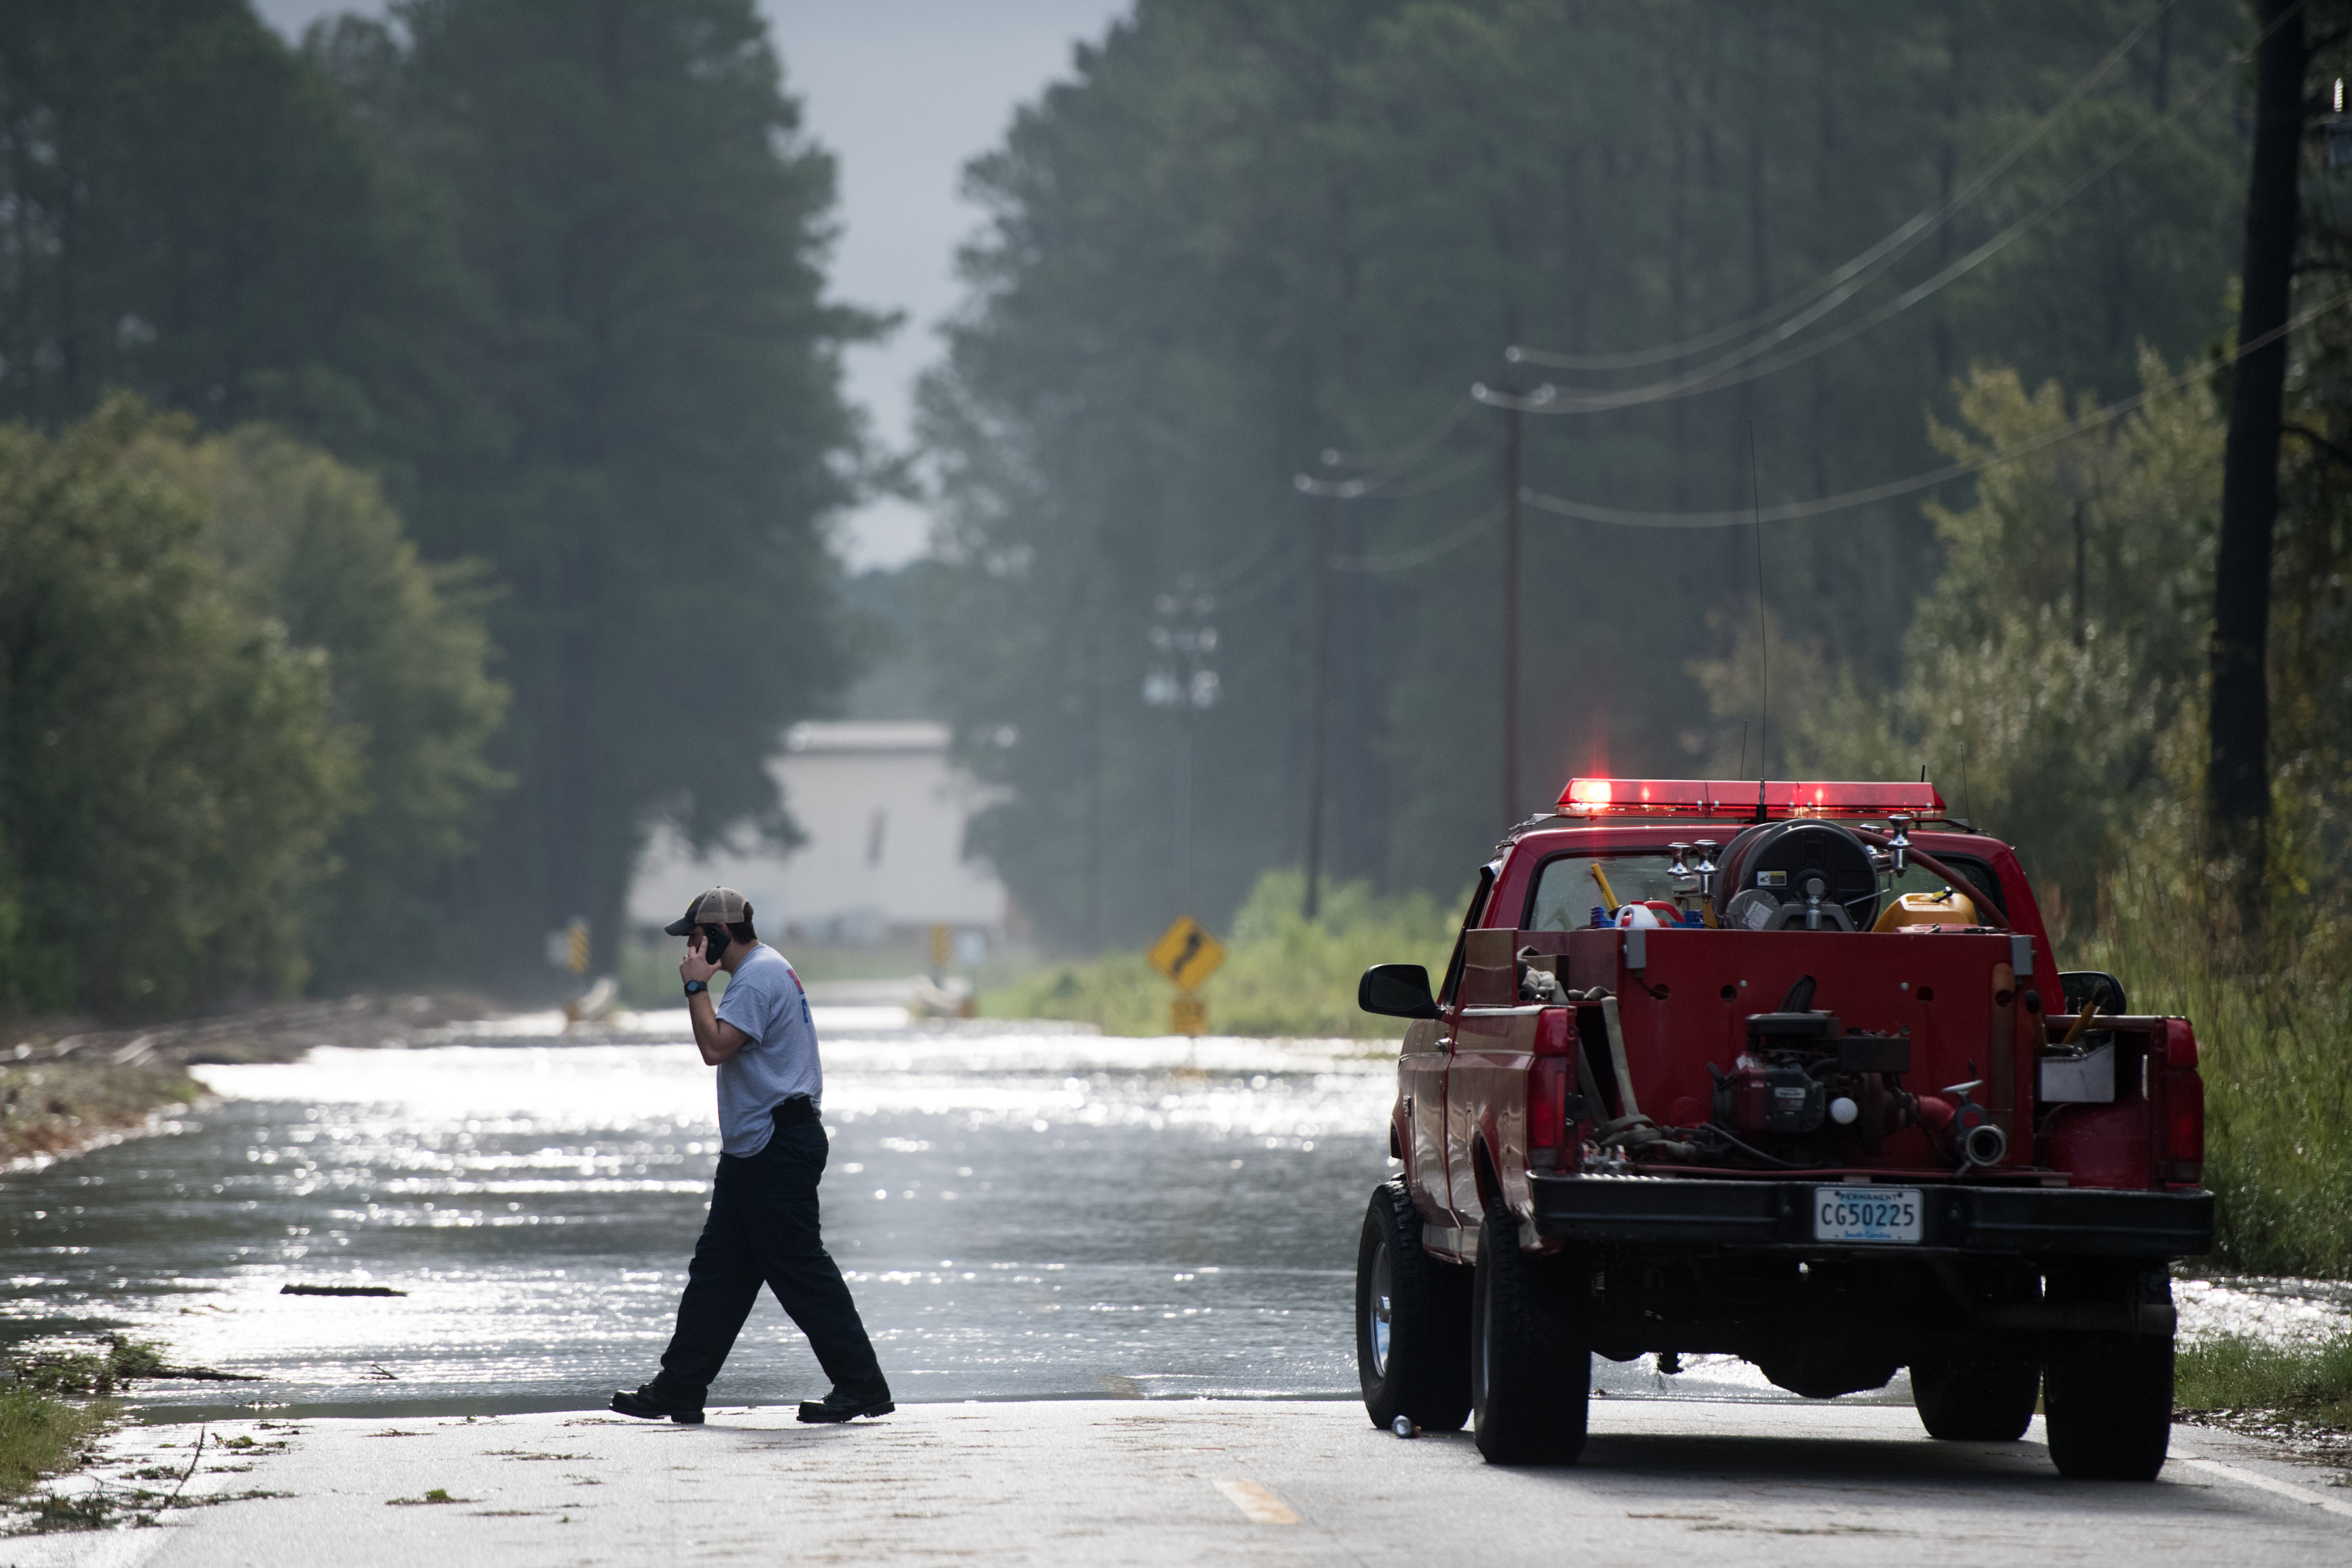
1763, 631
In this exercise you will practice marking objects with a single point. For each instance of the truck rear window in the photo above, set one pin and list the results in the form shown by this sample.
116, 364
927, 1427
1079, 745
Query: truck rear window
1566, 889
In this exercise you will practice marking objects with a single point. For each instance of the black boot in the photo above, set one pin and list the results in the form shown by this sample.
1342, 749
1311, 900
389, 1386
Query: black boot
650, 1403
840, 1406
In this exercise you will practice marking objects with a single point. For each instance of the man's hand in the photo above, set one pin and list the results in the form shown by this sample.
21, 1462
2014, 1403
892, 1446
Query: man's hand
719, 1042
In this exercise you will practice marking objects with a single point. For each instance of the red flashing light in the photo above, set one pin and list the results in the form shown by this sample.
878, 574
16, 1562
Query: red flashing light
1732, 799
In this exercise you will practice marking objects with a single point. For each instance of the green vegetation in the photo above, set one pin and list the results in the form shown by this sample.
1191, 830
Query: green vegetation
51, 1107
642, 229
2047, 704
52, 1405
1244, 234
506, 339
41, 1433
2272, 1020
245, 714
314, 546
1282, 976
2236, 1374
91, 1373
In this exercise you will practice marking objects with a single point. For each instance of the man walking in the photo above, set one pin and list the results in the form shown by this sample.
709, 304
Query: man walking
763, 1205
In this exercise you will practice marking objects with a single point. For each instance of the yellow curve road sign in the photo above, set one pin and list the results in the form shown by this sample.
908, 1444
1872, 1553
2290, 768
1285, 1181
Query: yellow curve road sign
1186, 953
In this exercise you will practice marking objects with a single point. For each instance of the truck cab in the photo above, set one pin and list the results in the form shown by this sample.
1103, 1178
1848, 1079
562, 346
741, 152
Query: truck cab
1788, 1071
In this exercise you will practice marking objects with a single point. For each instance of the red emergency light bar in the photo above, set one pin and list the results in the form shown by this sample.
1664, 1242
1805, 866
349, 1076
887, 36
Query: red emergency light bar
1733, 799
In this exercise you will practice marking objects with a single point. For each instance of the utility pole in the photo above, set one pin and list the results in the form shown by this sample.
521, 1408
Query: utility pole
1512, 405
1182, 642
1319, 679
2237, 772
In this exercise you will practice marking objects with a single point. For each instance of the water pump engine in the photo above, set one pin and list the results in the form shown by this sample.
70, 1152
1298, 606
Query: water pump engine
1803, 1077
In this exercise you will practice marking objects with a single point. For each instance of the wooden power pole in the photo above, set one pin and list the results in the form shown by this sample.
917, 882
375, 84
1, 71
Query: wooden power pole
2237, 775
1319, 678
1512, 405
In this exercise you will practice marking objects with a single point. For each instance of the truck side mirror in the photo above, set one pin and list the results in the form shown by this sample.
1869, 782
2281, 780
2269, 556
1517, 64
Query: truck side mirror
1396, 991
2080, 986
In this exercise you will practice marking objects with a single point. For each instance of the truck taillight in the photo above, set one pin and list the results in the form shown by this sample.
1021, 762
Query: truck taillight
1548, 1103
2182, 1157
2181, 1109
1548, 1083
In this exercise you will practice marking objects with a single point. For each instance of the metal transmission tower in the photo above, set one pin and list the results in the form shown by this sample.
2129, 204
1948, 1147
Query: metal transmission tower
1182, 643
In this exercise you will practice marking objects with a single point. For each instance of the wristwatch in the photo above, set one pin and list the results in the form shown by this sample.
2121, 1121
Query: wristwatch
696, 987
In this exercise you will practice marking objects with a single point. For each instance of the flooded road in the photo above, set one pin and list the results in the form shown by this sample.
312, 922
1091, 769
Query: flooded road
1021, 1212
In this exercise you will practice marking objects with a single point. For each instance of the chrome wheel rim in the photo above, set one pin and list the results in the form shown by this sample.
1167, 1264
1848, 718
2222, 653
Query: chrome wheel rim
1380, 1311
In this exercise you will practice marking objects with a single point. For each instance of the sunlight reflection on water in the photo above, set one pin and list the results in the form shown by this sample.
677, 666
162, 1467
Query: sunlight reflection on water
1019, 1212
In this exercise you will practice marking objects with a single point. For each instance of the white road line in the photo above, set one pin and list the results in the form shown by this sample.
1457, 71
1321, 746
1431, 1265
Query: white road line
1261, 1506
2244, 1476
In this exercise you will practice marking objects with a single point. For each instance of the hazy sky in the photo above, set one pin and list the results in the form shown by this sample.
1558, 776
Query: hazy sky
903, 92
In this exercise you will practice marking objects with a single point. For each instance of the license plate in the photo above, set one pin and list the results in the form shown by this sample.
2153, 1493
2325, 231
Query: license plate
1867, 1213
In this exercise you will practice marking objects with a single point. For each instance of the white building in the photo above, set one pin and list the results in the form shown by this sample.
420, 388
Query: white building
884, 811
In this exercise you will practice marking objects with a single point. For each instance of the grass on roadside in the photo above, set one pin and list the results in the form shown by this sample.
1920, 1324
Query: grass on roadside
1283, 974
93, 1373
2272, 1032
2239, 1373
41, 1433
47, 1108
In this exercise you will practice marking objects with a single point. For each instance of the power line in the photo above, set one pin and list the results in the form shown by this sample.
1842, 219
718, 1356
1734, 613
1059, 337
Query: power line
1420, 555
1731, 371
1242, 565
1404, 455
1469, 463
1587, 512
1843, 282
1266, 584
1809, 305
1736, 369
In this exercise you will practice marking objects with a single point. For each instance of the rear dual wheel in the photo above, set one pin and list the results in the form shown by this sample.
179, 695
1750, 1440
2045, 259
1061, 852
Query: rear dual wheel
2107, 1406
1530, 1357
2106, 1398
1413, 1321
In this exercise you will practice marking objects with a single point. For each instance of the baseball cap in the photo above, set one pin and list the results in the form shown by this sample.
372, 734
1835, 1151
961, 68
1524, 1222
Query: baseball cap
718, 907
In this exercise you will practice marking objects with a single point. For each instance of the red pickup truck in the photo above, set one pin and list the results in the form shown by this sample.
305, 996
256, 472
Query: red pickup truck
1786, 1071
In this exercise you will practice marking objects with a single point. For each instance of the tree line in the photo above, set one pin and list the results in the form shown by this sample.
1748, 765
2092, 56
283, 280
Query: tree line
432, 423
419, 443
1247, 236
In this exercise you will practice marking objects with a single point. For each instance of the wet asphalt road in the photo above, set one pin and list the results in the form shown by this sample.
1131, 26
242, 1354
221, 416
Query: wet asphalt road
1184, 1481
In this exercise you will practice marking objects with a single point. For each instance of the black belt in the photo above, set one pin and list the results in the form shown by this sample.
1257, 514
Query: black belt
795, 1111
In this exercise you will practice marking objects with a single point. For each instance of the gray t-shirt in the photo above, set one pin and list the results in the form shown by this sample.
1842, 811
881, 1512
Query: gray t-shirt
765, 1001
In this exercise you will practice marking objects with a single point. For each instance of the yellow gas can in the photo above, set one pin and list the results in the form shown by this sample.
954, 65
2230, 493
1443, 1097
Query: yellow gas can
1944, 907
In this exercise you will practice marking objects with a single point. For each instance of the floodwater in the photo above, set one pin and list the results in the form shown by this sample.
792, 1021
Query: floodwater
1021, 1212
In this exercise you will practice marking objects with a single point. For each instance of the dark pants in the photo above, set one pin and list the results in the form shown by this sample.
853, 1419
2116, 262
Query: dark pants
763, 1227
